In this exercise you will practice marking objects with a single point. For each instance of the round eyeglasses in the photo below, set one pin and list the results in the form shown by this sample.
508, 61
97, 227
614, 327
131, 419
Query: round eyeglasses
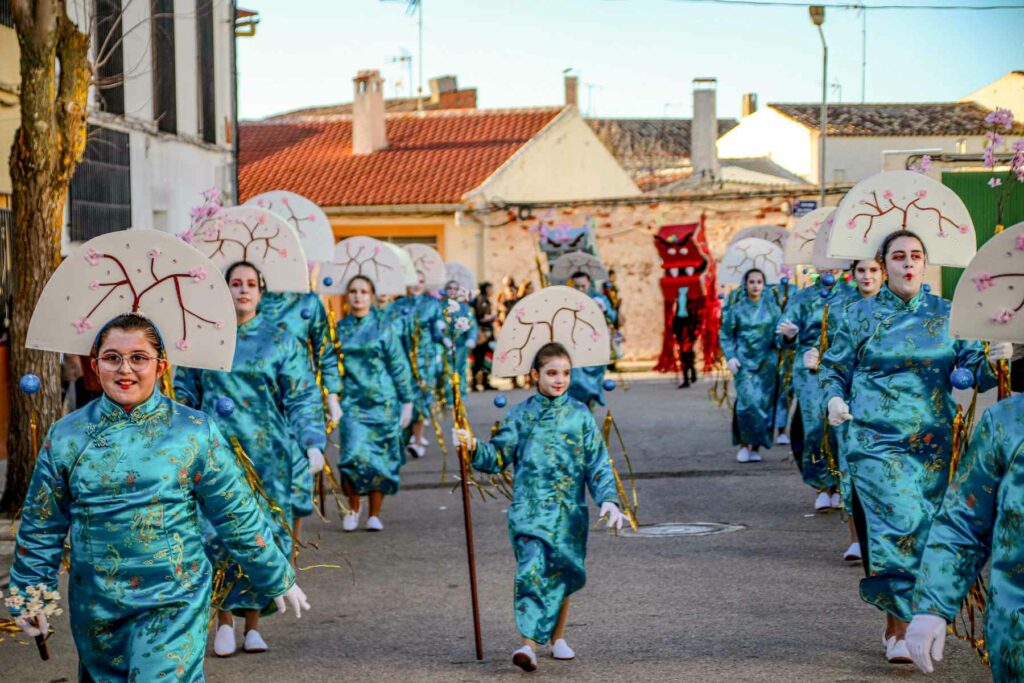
112, 362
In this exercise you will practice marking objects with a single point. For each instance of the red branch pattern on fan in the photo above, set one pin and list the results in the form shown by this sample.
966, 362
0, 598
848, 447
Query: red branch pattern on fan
887, 195
291, 216
985, 281
213, 234
550, 324
755, 261
354, 259
197, 274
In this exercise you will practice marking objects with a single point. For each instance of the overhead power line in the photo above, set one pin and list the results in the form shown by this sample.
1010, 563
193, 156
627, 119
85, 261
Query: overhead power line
792, 3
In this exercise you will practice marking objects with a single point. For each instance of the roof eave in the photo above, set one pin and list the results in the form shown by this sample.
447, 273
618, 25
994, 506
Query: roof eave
392, 209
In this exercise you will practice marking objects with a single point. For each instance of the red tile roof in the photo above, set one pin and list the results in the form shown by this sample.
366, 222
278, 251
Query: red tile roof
433, 158
901, 119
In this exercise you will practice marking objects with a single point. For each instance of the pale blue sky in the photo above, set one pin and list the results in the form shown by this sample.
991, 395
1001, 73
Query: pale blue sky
641, 54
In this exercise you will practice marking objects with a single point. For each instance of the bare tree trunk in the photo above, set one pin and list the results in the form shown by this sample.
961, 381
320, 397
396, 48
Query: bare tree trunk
47, 147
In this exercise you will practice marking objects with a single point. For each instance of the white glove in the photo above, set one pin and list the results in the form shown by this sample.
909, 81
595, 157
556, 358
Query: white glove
787, 329
333, 408
926, 639
294, 598
462, 437
811, 359
316, 460
33, 626
406, 418
734, 365
1000, 351
838, 411
447, 343
615, 516
471, 344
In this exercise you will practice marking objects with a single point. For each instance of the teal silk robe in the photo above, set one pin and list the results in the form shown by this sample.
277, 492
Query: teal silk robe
420, 316
586, 384
891, 362
806, 310
784, 295
378, 380
982, 518
129, 487
304, 316
748, 335
557, 452
461, 349
278, 415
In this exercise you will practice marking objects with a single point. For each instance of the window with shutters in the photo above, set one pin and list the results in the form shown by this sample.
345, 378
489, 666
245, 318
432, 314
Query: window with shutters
101, 191
165, 101
207, 108
110, 56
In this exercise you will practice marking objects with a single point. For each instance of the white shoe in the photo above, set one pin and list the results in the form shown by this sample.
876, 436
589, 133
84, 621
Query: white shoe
782, 439
823, 502
224, 643
561, 650
374, 524
896, 651
755, 456
525, 658
836, 501
743, 455
424, 441
416, 450
254, 642
350, 522
852, 553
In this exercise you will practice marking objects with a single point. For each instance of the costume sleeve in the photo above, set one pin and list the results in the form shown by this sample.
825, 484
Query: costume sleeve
727, 333
300, 396
396, 362
473, 333
600, 478
187, 388
45, 521
960, 537
795, 314
835, 370
971, 355
228, 502
495, 455
323, 348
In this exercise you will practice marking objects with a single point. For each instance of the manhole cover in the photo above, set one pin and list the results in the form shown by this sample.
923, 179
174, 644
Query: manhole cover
678, 529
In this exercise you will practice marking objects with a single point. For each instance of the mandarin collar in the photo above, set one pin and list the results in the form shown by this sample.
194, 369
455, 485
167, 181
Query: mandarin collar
113, 412
889, 297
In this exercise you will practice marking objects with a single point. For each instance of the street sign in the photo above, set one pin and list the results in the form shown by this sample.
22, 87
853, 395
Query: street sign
802, 207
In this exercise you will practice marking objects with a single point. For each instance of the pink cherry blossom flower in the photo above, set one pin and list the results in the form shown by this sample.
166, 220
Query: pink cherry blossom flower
983, 281
261, 219
219, 324
851, 224
887, 194
989, 158
594, 335
284, 200
212, 194
994, 182
1000, 117
82, 324
198, 274
519, 313
152, 253
578, 306
310, 217
1019, 244
502, 357
925, 165
185, 236
283, 252
261, 202
182, 344
994, 139
1003, 316
94, 285
92, 256
964, 229
921, 194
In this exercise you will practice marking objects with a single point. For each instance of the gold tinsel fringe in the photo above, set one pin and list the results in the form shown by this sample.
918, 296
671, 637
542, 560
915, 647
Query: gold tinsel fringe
629, 507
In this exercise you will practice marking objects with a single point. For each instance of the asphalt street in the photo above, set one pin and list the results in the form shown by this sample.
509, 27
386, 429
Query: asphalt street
768, 600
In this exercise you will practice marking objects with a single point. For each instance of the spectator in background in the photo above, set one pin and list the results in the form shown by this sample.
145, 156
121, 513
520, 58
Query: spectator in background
485, 318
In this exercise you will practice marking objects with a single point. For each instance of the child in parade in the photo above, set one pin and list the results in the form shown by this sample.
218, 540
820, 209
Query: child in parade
556, 450
587, 382
748, 341
377, 404
278, 421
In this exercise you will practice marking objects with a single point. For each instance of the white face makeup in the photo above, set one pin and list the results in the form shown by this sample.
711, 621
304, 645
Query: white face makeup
244, 284
869, 277
128, 366
904, 267
553, 377
755, 285
360, 297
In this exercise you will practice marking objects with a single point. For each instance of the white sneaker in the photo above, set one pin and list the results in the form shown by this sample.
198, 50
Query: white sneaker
416, 450
561, 650
852, 553
224, 643
836, 501
782, 439
823, 502
743, 455
525, 658
350, 521
896, 651
254, 642
374, 524
755, 456
424, 441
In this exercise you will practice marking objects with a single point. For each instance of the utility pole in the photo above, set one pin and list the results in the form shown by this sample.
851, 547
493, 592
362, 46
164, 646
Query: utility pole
863, 52
818, 18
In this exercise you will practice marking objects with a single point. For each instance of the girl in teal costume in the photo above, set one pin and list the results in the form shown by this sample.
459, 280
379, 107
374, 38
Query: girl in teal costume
556, 451
464, 341
801, 326
981, 519
587, 384
278, 421
421, 324
126, 475
784, 293
748, 342
889, 367
377, 395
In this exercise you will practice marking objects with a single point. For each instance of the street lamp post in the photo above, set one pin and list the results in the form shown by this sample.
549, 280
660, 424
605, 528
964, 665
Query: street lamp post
818, 18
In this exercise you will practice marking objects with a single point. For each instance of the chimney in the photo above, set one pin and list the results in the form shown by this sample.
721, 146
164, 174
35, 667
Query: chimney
749, 103
368, 133
572, 91
441, 85
704, 132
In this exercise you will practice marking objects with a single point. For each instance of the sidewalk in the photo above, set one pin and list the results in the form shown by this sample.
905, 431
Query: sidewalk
6, 537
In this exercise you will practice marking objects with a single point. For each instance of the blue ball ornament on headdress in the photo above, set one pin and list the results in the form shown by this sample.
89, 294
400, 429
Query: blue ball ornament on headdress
926, 288
806, 271
30, 383
225, 406
828, 279
500, 401
609, 385
328, 281
306, 314
784, 281
962, 378
721, 296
